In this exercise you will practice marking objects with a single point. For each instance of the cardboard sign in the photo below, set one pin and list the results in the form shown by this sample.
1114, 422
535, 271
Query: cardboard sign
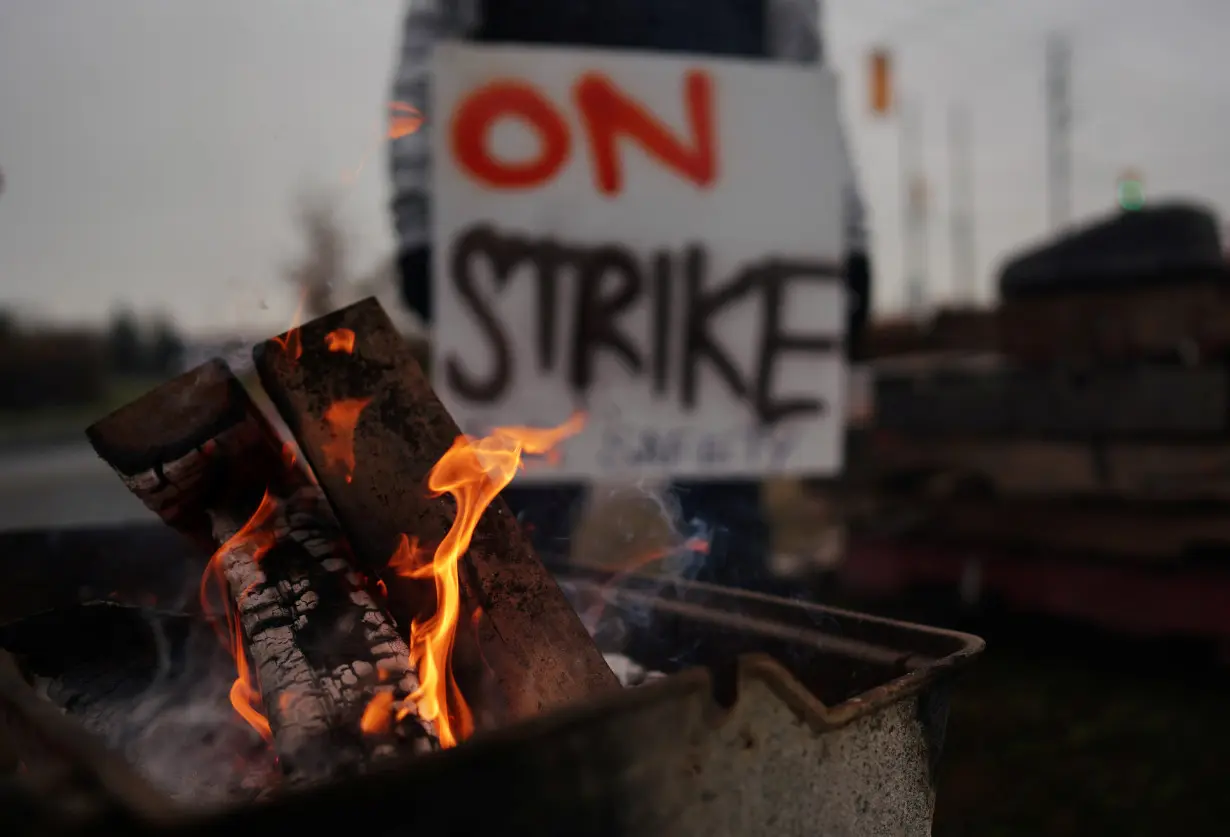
654, 240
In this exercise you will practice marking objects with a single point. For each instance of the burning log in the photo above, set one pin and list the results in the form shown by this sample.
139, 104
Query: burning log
198, 452
364, 399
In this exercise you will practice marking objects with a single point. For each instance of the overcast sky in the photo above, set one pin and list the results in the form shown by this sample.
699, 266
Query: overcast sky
152, 149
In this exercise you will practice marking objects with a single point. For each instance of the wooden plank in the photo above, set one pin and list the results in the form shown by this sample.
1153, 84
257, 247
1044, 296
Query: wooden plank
198, 452
529, 635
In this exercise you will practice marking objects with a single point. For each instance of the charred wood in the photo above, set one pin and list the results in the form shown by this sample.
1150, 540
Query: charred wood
199, 453
529, 637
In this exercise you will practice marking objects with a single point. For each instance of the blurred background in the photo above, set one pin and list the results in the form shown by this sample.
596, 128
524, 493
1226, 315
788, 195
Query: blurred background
1041, 447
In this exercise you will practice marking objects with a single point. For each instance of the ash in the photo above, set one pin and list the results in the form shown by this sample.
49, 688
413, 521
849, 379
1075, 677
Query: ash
161, 700
629, 672
610, 628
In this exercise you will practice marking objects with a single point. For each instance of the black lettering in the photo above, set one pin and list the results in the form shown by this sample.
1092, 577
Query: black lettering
478, 240
700, 307
547, 258
713, 450
663, 296
775, 445
659, 447
595, 324
774, 276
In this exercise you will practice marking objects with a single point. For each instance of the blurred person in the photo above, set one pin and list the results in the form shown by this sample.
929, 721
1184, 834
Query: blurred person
780, 30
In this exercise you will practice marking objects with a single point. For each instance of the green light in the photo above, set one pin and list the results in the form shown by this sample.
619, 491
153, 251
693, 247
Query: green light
1131, 195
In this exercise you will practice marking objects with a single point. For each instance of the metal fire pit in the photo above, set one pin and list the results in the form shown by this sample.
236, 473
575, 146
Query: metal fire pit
775, 717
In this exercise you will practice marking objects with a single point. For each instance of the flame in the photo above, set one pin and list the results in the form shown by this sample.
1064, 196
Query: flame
342, 418
244, 695
404, 120
340, 340
694, 544
256, 535
593, 614
291, 344
473, 472
378, 716
290, 455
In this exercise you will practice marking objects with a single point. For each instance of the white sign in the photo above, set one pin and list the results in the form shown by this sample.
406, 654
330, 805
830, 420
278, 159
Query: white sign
654, 240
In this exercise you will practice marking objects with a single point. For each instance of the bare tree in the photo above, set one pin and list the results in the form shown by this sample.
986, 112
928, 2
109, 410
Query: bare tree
322, 268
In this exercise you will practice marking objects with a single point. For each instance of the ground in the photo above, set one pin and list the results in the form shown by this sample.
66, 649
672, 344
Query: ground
1060, 730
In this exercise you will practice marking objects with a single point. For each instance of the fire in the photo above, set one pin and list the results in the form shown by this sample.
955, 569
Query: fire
404, 120
340, 340
258, 536
693, 544
291, 344
474, 472
342, 418
638, 563
378, 716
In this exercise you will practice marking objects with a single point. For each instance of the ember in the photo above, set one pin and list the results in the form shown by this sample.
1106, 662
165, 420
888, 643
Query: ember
290, 342
404, 119
340, 340
342, 418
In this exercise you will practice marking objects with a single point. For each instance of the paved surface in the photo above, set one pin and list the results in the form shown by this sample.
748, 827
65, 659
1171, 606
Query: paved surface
67, 485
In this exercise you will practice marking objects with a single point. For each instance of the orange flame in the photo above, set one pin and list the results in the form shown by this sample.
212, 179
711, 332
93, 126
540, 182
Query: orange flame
257, 536
291, 344
474, 472
404, 120
340, 340
378, 716
694, 544
654, 555
342, 418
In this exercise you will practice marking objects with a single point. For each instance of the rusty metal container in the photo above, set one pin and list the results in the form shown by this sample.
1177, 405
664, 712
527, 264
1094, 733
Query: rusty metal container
775, 717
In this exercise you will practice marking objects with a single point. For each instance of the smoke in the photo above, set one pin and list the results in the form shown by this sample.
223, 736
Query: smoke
634, 530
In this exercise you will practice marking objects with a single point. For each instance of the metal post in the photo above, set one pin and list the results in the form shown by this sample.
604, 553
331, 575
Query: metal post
1058, 134
964, 268
914, 210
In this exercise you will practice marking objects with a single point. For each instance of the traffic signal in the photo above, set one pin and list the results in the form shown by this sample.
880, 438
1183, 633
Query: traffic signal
881, 78
1131, 191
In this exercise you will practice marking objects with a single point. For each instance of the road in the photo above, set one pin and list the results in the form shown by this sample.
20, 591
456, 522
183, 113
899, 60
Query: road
62, 486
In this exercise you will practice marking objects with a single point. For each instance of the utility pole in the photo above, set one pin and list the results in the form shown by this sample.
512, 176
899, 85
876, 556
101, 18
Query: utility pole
914, 209
964, 268
1059, 130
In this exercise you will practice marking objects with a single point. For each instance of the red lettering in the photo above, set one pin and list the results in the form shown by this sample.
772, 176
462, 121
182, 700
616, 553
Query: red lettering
480, 111
608, 113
